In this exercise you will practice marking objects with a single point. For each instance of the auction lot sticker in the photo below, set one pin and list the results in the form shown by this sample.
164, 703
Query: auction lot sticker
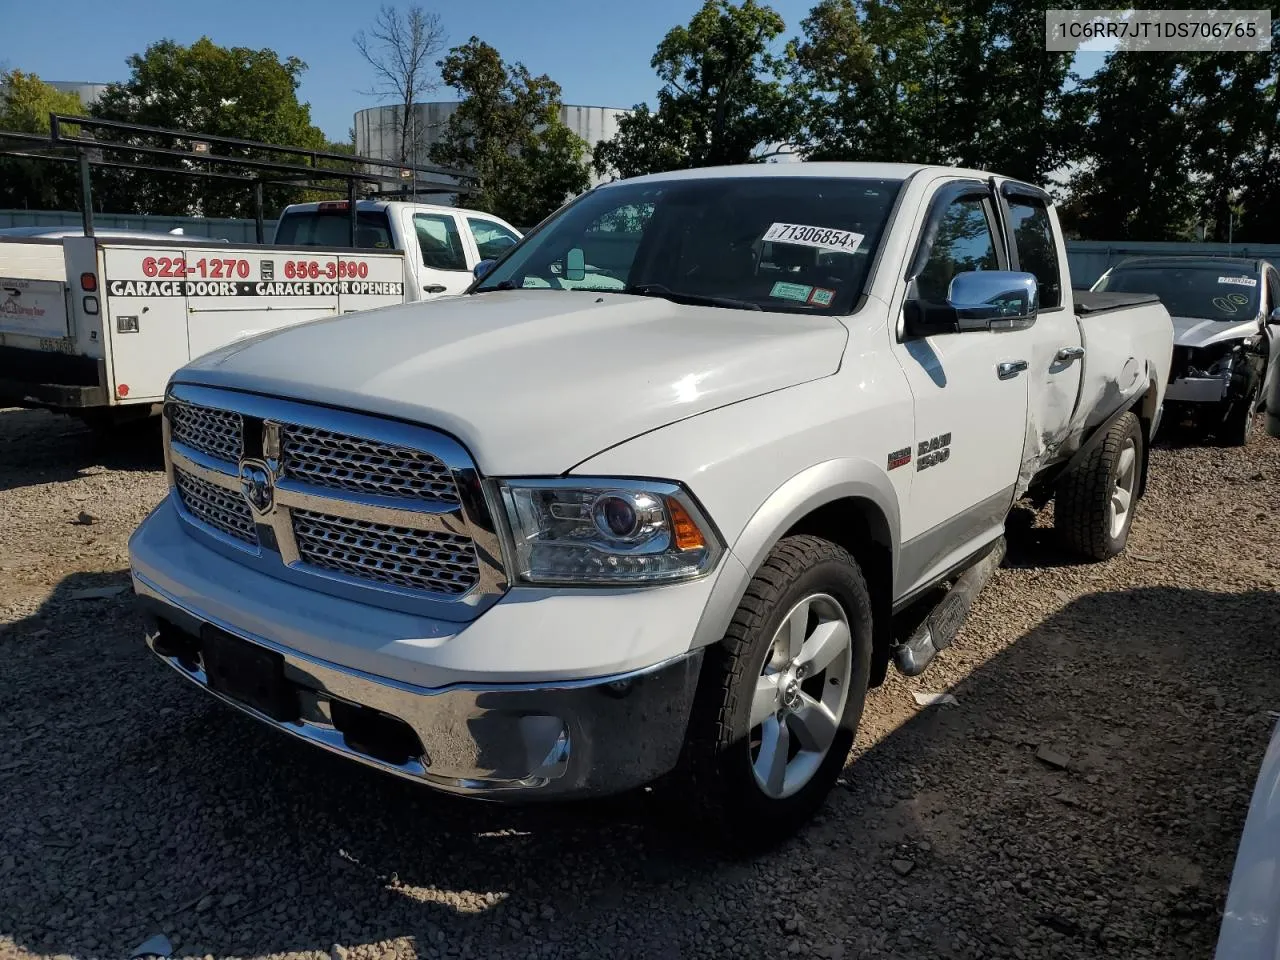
803, 235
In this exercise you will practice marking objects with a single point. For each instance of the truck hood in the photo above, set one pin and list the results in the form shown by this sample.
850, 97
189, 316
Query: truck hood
532, 381
1198, 332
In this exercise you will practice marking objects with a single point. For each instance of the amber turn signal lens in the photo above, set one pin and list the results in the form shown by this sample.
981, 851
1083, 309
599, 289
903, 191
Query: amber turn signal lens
687, 536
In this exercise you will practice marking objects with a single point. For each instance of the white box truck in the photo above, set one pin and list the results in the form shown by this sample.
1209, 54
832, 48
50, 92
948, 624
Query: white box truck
93, 323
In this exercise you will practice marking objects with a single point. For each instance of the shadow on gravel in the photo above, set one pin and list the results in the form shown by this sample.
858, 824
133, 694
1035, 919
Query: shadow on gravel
37, 446
136, 805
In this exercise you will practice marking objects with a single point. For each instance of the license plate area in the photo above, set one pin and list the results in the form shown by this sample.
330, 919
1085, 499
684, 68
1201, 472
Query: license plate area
248, 674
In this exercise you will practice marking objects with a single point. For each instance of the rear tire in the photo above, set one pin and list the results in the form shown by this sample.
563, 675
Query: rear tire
780, 697
1094, 507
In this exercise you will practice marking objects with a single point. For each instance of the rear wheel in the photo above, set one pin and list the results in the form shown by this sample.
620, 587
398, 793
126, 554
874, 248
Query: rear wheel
780, 697
1094, 507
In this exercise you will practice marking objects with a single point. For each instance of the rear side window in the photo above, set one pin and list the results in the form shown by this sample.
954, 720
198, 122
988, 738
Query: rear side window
440, 242
964, 242
332, 228
492, 239
1037, 254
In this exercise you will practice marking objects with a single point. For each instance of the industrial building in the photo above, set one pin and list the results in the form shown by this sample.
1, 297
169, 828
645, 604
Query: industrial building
378, 128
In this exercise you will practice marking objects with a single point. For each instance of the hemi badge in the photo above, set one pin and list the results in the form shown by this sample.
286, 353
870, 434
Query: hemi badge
899, 458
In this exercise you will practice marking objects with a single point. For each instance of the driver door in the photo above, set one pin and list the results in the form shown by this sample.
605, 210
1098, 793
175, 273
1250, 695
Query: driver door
970, 392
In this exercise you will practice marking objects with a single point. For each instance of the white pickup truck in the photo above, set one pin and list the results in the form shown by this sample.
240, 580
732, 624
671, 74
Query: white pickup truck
540, 541
95, 326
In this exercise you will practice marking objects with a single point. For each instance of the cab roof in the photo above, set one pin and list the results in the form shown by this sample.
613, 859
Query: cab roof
813, 168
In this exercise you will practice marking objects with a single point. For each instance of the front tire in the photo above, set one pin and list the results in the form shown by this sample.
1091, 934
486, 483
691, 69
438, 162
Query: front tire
1094, 507
1237, 426
780, 698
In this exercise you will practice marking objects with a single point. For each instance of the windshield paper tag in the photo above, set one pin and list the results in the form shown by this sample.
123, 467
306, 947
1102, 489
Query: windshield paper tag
822, 237
1243, 281
791, 291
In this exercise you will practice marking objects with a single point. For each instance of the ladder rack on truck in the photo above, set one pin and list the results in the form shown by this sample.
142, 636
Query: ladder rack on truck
94, 326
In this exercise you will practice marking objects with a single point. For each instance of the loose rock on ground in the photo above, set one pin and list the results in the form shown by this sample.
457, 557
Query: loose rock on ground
136, 806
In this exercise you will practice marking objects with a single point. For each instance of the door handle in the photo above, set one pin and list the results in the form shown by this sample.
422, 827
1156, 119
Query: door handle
434, 288
1068, 354
1010, 369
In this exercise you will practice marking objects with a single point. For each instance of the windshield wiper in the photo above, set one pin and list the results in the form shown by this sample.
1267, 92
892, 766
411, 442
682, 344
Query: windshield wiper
697, 299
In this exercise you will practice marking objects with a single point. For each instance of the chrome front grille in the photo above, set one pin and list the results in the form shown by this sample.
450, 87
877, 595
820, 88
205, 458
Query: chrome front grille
351, 504
328, 459
416, 559
216, 433
217, 506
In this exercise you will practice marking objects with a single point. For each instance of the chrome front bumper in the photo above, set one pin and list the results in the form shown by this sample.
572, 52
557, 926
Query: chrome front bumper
513, 741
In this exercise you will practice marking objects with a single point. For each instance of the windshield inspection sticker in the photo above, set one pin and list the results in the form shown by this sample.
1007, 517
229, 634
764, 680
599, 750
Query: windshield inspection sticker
822, 237
1243, 281
822, 297
791, 291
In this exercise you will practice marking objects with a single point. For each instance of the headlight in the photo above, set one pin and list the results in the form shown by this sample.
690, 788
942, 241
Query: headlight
612, 532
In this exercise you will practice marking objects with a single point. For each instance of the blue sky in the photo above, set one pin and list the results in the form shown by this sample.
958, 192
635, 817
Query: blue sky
570, 40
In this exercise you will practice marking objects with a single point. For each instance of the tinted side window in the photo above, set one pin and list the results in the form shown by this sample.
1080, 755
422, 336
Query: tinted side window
440, 241
1273, 290
1033, 239
492, 239
963, 242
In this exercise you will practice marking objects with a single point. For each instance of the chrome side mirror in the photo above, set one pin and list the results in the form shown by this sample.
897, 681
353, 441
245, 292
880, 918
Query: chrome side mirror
483, 267
976, 300
994, 299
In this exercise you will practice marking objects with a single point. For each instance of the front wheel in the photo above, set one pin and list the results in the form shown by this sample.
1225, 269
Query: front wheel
1237, 425
780, 697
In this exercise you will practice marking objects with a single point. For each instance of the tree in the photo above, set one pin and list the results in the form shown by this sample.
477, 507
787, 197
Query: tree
1005, 107
25, 104
1137, 180
400, 48
868, 75
1260, 176
204, 88
962, 82
722, 101
507, 131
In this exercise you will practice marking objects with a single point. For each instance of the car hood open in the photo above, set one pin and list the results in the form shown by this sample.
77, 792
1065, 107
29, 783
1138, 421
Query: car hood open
532, 382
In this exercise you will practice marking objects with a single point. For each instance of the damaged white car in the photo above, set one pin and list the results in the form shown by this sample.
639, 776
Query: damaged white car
1226, 317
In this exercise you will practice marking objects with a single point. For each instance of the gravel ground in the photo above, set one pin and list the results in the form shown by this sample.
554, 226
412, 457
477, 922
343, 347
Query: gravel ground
135, 805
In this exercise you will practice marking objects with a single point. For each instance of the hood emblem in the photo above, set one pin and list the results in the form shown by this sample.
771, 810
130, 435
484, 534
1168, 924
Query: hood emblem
257, 485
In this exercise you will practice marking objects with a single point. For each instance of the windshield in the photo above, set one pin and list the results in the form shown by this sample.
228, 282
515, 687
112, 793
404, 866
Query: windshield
1203, 291
332, 228
799, 244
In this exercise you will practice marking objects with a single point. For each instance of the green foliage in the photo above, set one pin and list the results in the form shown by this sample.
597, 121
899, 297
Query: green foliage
722, 99
1178, 144
869, 74
27, 101
1153, 145
507, 130
1136, 182
233, 92
25, 104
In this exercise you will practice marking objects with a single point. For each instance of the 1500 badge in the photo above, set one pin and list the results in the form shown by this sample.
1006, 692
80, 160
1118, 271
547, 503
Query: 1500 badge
930, 453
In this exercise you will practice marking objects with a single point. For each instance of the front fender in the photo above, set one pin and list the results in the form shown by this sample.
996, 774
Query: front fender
802, 494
